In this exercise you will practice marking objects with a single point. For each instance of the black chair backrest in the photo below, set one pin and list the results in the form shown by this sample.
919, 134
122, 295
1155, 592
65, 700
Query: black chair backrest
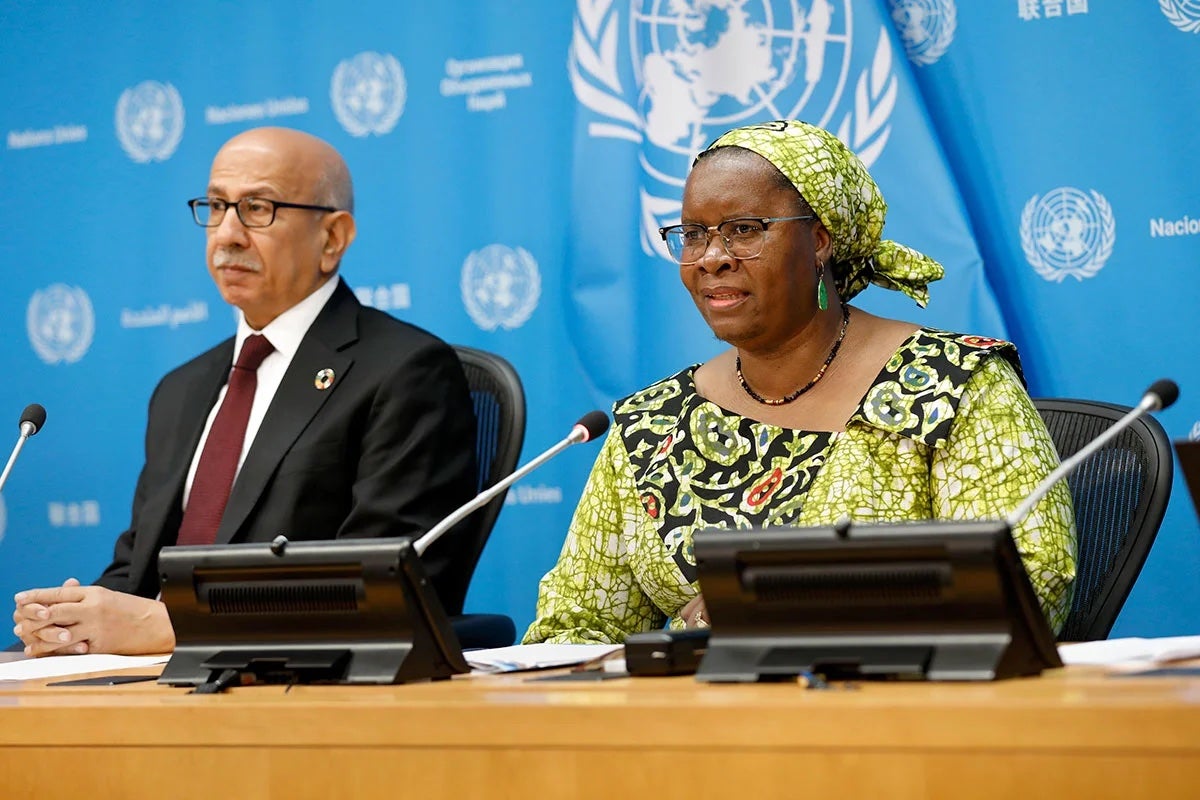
1120, 495
499, 401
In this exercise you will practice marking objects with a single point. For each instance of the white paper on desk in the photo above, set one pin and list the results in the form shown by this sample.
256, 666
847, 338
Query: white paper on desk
1120, 651
534, 656
57, 666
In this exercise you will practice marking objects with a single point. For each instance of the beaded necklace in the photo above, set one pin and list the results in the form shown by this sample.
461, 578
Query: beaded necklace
820, 373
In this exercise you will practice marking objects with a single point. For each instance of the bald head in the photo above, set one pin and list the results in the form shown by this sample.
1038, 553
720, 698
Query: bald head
268, 266
320, 172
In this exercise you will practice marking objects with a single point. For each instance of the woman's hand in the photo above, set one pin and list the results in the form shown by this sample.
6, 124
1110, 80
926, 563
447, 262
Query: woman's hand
693, 613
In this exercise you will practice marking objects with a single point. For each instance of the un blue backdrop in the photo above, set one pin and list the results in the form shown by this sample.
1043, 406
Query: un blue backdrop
512, 160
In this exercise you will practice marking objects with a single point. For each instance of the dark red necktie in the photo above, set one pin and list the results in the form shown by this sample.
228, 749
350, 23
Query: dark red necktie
219, 459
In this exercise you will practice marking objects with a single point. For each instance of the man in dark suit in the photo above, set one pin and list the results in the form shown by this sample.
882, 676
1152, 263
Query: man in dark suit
354, 423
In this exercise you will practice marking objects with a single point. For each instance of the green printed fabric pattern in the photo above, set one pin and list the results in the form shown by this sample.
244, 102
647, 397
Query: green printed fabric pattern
836, 185
946, 431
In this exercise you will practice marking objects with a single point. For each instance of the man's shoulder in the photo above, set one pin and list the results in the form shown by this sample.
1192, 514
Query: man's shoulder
380, 324
192, 374
384, 338
220, 353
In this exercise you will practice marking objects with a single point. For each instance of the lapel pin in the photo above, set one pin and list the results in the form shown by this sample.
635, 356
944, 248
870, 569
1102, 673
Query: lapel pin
324, 379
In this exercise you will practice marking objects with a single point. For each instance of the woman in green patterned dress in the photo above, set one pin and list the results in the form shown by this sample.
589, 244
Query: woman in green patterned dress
817, 411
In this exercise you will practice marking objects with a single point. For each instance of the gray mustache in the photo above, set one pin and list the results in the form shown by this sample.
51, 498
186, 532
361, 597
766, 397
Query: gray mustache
225, 258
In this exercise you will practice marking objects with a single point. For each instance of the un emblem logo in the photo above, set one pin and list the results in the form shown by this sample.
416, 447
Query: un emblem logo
1183, 14
149, 121
926, 28
60, 323
368, 93
1067, 232
690, 71
500, 286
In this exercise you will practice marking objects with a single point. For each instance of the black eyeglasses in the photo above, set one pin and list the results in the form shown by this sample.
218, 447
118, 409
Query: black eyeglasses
254, 212
743, 237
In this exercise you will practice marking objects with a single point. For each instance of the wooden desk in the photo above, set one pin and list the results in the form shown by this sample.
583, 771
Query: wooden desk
1071, 733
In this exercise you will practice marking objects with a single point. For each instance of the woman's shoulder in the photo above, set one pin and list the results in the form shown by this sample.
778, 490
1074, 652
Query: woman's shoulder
659, 397
917, 393
963, 351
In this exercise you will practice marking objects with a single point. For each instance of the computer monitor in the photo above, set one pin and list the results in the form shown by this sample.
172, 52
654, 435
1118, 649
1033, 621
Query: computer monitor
342, 611
1189, 461
931, 600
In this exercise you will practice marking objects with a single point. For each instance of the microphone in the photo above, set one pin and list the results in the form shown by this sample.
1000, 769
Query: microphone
32, 420
1161, 394
590, 426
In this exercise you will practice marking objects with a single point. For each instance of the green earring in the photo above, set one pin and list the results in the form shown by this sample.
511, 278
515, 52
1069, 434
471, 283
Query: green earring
822, 292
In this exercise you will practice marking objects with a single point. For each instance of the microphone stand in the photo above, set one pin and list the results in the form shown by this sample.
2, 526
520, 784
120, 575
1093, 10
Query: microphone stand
12, 459
421, 545
1151, 401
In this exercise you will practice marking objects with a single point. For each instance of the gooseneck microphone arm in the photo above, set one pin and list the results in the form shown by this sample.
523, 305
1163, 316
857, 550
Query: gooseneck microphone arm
589, 426
32, 420
1161, 394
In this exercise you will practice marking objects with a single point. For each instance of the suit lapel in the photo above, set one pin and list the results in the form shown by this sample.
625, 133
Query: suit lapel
195, 407
296, 402
199, 396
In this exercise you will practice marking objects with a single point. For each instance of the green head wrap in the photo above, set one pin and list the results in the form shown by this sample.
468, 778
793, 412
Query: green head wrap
842, 193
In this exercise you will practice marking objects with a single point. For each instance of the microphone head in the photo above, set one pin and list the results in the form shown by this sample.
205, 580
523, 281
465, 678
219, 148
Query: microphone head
34, 415
1165, 391
591, 425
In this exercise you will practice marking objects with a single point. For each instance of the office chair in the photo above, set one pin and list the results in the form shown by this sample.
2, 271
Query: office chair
499, 402
1120, 496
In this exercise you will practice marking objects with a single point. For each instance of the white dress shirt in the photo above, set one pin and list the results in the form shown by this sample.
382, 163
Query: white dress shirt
285, 332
